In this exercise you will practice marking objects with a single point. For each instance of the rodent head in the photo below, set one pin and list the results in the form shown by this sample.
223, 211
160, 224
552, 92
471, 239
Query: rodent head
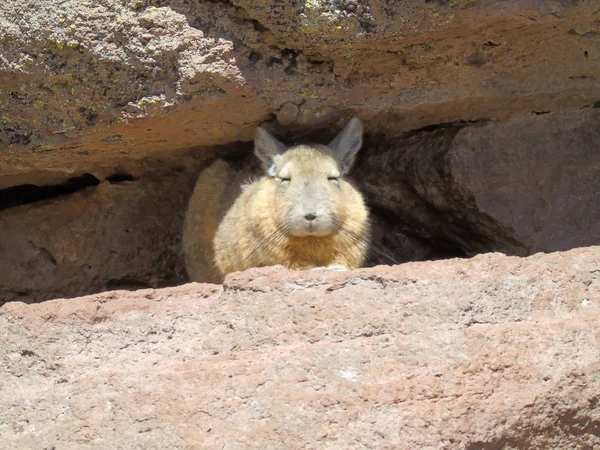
310, 195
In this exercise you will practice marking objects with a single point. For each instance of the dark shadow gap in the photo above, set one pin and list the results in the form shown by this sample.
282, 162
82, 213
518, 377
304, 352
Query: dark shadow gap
126, 284
120, 178
31, 193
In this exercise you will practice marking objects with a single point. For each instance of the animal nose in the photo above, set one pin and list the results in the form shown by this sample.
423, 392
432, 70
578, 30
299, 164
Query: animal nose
310, 216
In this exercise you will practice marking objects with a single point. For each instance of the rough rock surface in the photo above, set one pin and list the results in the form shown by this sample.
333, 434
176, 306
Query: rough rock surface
482, 353
84, 82
123, 231
519, 186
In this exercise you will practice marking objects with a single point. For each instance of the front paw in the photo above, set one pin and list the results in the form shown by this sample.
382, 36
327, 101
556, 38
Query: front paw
336, 267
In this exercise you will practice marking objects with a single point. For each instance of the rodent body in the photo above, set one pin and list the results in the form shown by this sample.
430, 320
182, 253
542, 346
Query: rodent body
214, 193
302, 213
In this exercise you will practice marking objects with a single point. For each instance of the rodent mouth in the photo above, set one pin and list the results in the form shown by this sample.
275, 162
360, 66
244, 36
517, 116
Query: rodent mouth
310, 231
315, 228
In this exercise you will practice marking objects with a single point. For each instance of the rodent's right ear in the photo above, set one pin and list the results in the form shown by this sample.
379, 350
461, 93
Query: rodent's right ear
267, 147
347, 144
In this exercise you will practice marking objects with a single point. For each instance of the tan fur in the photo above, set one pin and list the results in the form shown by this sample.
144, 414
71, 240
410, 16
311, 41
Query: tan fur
252, 232
206, 209
233, 223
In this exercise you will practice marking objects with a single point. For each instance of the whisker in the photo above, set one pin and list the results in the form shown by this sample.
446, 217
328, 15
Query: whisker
355, 238
272, 240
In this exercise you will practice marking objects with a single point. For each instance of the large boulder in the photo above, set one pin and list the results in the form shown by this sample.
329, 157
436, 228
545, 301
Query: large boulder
519, 186
489, 352
86, 82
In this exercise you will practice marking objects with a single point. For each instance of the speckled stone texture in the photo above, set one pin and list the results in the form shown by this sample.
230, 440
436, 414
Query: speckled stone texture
491, 352
84, 82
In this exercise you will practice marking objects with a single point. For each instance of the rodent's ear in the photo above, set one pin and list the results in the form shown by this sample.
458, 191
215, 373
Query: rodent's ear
267, 147
346, 144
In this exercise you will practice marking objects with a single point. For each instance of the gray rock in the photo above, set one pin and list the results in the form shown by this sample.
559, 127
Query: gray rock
518, 187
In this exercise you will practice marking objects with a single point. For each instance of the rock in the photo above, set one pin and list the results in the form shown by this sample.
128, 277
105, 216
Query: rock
85, 83
489, 352
518, 187
118, 232
287, 114
537, 178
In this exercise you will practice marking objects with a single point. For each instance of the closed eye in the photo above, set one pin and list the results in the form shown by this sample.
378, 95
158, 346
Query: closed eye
284, 179
333, 178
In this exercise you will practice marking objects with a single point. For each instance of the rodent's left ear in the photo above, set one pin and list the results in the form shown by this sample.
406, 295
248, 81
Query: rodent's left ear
347, 144
267, 147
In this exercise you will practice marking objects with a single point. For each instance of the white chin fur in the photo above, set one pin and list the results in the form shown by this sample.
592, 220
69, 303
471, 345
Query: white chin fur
315, 231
